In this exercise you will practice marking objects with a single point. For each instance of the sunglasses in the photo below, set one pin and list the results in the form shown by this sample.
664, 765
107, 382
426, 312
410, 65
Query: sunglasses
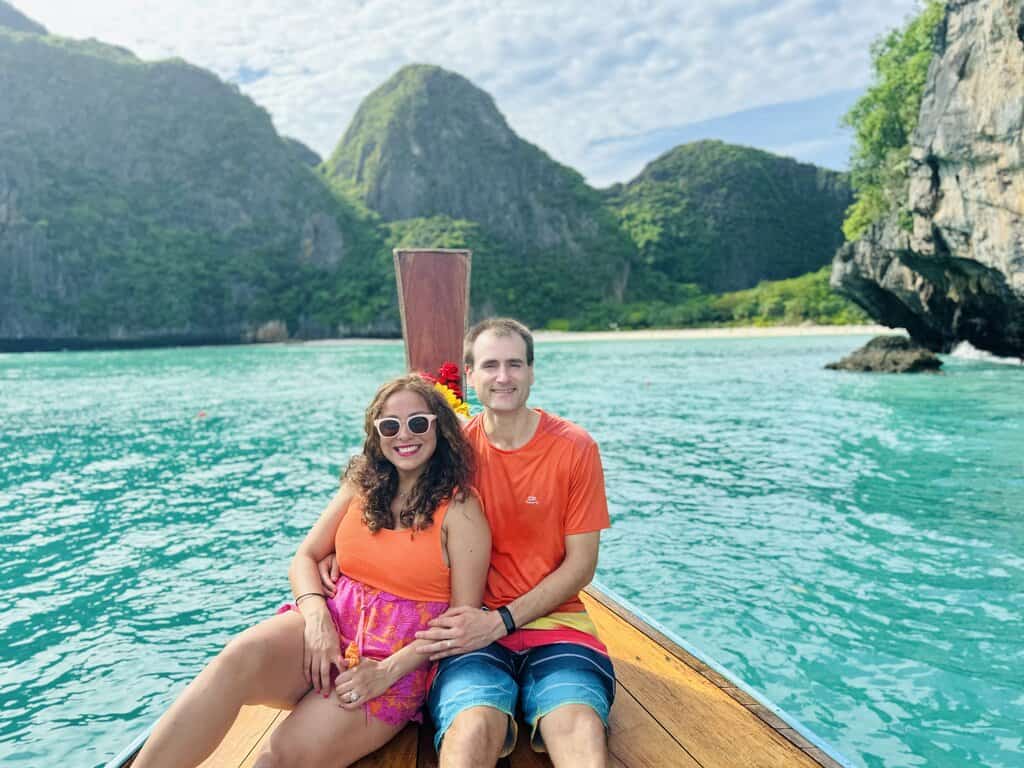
419, 424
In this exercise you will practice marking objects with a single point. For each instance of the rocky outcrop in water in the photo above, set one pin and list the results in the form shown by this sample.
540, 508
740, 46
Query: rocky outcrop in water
889, 354
959, 274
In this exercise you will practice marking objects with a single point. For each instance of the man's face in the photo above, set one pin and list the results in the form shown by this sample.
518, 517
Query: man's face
499, 374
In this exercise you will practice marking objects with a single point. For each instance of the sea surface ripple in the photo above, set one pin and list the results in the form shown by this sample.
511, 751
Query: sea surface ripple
849, 546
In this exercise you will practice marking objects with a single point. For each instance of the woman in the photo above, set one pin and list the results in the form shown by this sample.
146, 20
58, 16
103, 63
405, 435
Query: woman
409, 540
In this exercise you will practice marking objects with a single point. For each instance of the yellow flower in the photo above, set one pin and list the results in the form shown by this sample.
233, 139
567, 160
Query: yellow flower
461, 408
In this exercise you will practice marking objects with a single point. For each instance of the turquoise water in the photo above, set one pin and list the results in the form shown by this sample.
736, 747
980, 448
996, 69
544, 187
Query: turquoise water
850, 546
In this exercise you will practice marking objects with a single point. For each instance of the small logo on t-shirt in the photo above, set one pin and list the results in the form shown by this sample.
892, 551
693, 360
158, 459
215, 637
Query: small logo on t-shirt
532, 500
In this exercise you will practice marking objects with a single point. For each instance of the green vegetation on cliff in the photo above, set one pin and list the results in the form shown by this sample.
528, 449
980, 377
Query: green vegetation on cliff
428, 143
726, 217
884, 118
807, 298
152, 200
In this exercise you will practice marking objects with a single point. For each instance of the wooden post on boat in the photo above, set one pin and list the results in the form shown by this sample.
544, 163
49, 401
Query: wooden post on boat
433, 299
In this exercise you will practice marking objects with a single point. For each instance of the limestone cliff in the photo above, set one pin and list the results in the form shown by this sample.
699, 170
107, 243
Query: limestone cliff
152, 202
15, 20
429, 143
959, 274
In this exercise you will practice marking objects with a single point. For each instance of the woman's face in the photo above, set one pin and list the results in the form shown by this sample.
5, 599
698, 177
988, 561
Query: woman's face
408, 451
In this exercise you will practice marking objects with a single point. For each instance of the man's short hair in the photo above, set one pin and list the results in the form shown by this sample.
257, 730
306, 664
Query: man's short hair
499, 326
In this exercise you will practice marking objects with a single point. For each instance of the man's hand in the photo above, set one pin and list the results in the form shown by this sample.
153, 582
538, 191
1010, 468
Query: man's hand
329, 572
460, 630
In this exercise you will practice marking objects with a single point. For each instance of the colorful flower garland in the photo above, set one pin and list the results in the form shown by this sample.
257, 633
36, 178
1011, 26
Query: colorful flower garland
447, 382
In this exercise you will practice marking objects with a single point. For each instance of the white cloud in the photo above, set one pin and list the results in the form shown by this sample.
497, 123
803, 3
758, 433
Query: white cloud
564, 74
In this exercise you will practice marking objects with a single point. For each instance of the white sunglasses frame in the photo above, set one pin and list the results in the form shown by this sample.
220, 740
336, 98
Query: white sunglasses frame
430, 417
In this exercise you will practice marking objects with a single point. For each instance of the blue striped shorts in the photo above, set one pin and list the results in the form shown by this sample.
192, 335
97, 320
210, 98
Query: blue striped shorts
539, 680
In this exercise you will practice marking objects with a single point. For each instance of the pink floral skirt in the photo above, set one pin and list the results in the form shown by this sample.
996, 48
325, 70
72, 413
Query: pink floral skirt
380, 623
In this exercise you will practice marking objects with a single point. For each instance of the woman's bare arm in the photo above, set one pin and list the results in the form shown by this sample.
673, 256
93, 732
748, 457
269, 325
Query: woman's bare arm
321, 647
319, 542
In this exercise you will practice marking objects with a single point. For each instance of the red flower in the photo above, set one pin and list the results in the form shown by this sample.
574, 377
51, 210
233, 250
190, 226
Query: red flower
450, 377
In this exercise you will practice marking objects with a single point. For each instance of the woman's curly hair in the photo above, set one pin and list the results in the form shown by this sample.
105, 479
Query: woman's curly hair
446, 477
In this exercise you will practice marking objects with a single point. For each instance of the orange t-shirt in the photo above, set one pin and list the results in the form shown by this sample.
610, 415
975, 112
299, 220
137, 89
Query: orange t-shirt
400, 561
534, 497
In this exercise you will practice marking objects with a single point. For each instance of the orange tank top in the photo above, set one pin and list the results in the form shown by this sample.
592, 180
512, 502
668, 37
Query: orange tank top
406, 563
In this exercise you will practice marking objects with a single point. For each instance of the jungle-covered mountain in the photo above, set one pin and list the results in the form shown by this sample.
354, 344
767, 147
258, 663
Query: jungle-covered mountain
726, 217
13, 19
428, 143
149, 202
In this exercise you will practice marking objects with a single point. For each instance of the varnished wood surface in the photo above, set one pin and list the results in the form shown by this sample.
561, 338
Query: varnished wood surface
670, 711
433, 299
712, 721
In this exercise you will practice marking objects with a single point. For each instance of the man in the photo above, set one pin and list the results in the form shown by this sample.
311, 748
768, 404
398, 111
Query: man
542, 486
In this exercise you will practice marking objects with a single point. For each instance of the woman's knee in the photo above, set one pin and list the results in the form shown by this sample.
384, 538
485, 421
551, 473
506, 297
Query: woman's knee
282, 752
245, 655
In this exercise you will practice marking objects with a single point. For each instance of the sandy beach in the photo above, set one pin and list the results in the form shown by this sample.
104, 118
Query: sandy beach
742, 332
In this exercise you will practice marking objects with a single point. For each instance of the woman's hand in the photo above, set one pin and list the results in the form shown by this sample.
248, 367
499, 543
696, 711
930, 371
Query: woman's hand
358, 685
329, 572
321, 648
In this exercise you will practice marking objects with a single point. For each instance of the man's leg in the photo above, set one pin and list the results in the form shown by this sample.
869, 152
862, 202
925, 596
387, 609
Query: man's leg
472, 703
574, 735
475, 738
567, 695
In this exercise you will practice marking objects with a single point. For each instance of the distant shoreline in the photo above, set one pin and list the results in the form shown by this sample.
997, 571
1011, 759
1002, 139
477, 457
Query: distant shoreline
739, 332
541, 336
654, 334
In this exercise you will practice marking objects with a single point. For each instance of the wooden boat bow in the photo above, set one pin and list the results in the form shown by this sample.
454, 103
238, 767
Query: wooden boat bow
671, 709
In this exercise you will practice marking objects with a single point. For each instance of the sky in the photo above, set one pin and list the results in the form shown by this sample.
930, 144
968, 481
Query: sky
603, 87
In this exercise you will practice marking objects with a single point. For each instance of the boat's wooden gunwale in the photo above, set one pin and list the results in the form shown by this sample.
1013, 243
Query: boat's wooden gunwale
769, 718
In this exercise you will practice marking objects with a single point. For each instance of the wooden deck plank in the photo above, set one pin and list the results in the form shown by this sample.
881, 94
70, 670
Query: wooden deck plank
250, 759
523, 755
254, 725
248, 730
400, 752
716, 729
636, 738
427, 757
670, 710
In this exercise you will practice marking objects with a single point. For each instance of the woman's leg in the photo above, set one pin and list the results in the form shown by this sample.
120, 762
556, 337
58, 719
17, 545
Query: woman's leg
263, 665
320, 733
